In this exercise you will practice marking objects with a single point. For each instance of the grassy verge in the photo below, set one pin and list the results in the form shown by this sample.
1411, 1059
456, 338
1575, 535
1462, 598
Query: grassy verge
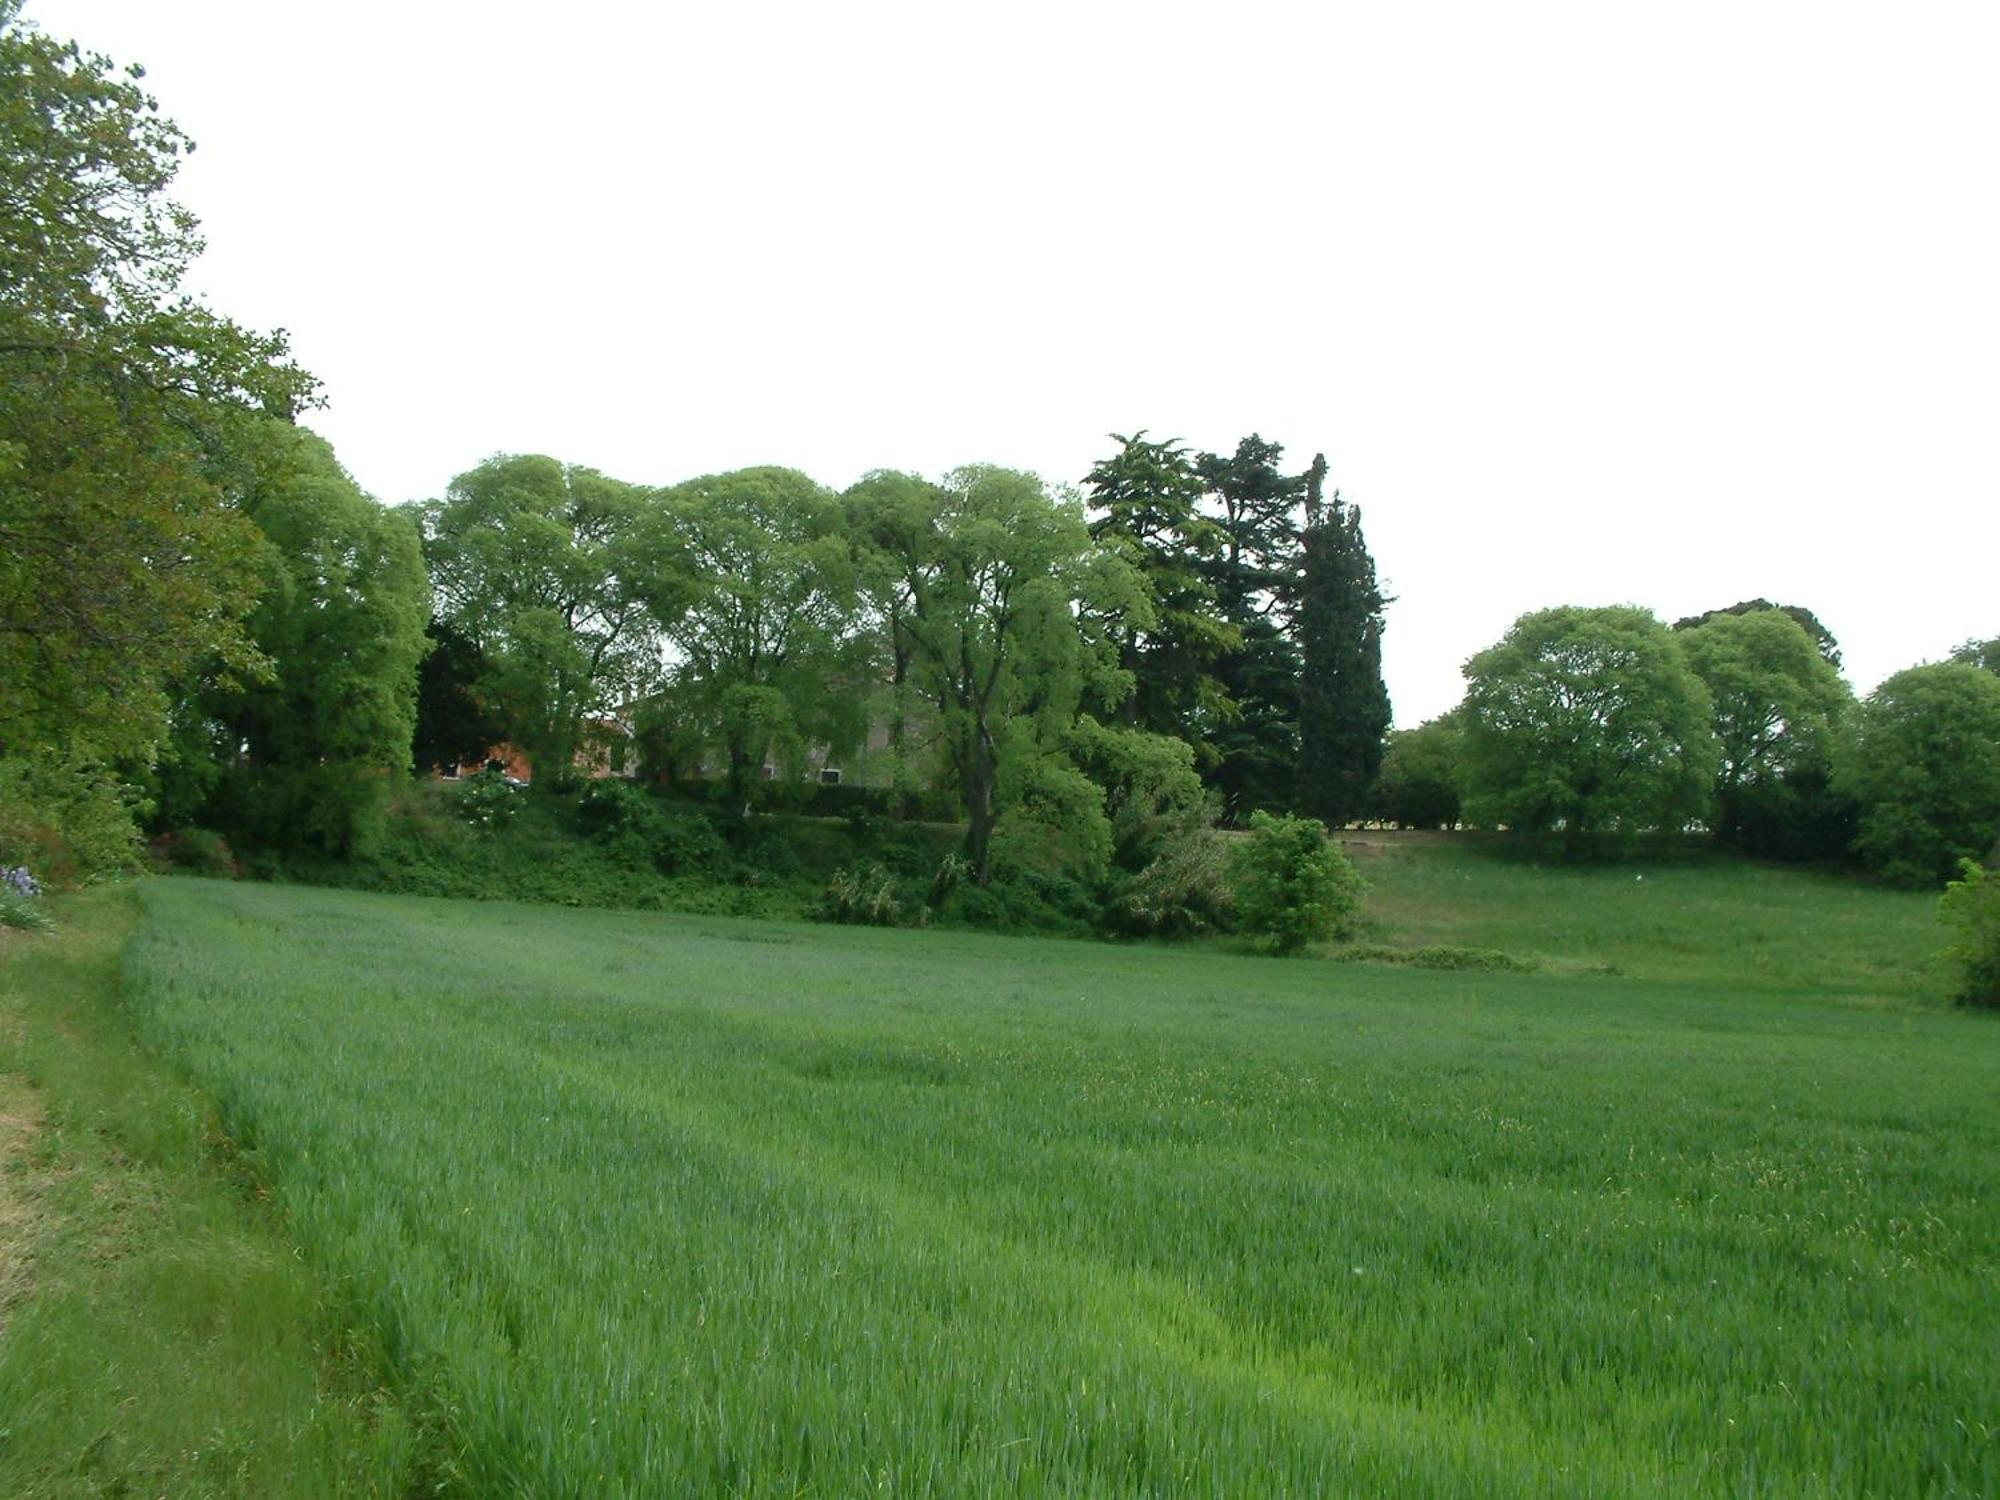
158, 1334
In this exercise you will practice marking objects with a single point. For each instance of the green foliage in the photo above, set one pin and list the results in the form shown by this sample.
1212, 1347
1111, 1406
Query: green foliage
1054, 825
863, 895
1822, 638
455, 727
198, 851
1925, 771
1185, 890
996, 598
1979, 654
66, 818
1589, 722
1422, 771
1150, 789
1779, 705
1970, 906
21, 901
1150, 494
1254, 576
562, 579
1343, 702
122, 570
1292, 885
769, 661
485, 800
645, 830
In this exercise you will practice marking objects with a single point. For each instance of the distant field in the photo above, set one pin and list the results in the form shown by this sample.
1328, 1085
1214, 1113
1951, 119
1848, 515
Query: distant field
696, 1206
1700, 917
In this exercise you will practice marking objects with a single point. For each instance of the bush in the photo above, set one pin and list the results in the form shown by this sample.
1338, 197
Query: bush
200, 851
1292, 886
642, 829
486, 800
864, 896
1184, 891
1971, 907
21, 900
70, 819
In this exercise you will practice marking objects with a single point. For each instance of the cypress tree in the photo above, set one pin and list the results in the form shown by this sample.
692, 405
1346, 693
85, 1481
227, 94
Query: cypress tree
1343, 703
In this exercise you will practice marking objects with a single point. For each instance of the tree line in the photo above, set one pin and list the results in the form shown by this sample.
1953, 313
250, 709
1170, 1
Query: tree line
204, 620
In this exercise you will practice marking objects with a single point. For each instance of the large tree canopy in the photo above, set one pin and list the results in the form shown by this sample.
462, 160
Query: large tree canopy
121, 566
1590, 722
994, 584
769, 662
1778, 705
1149, 498
562, 578
1925, 768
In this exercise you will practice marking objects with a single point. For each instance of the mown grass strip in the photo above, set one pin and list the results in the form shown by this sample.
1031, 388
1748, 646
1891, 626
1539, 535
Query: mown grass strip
161, 1336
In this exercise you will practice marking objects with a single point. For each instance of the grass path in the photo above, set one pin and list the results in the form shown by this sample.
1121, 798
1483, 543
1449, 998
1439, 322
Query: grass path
158, 1333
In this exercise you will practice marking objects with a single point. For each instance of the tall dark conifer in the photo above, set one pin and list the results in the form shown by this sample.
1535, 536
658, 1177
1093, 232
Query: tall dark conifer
1343, 704
1149, 495
1255, 579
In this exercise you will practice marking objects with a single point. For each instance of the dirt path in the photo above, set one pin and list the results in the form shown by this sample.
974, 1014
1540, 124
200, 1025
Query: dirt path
19, 1119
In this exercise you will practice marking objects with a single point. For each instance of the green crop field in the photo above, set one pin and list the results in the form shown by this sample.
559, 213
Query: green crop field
664, 1205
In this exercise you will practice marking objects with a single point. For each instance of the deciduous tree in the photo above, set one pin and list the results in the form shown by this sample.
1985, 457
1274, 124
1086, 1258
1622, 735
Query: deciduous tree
1589, 722
1925, 768
564, 580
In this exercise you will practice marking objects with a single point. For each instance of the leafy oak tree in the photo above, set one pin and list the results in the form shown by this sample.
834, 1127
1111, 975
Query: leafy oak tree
1925, 769
121, 566
1779, 704
123, 570
1588, 723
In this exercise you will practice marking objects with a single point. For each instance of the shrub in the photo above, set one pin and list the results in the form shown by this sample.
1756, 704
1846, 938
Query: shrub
486, 801
21, 900
68, 818
1292, 886
1971, 907
200, 851
863, 895
1184, 891
640, 829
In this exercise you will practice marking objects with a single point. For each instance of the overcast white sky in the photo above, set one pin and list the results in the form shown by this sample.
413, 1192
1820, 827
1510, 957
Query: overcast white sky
1594, 303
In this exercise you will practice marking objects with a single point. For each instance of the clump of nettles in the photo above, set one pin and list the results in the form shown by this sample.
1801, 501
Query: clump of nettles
1293, 887
21, 900
1970, 906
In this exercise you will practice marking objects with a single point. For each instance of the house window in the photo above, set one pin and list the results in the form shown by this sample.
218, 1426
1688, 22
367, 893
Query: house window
830, 776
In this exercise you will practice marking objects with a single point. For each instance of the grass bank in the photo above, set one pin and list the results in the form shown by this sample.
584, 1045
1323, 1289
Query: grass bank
695, 1206
1701, 917
158, 1333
